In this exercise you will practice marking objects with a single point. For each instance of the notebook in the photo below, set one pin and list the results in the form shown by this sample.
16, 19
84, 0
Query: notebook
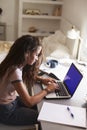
68, 86
58, 113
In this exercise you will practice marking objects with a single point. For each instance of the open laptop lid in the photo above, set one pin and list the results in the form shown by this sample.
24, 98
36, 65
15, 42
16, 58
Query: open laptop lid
72, 79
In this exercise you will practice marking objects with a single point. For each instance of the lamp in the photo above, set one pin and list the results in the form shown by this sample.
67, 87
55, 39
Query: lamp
75, 34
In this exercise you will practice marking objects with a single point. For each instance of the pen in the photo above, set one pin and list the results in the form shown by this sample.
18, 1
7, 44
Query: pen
72, 115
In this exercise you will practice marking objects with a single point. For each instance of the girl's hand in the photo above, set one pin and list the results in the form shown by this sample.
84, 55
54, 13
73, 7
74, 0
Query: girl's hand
48, 81
52, 87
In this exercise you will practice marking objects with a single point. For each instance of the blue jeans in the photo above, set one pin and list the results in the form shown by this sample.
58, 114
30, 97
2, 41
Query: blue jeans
16, 113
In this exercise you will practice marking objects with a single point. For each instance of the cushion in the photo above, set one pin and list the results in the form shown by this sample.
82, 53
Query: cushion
4, 48
2, 56
60, 37
52, 42
61, 52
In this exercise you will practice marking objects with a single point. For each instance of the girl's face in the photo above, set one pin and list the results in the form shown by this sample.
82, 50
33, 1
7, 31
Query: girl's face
31, 58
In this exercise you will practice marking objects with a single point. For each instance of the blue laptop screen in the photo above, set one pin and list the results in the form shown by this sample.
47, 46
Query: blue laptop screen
72, 79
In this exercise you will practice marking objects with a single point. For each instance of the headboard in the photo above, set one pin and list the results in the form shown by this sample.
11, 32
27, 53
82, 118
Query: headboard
72, 44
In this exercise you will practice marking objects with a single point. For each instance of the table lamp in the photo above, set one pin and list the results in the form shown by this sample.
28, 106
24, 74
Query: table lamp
75, 34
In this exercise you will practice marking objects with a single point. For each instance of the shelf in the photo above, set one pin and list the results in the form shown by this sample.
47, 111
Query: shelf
41, 17
43, 2
37, 34
48, 19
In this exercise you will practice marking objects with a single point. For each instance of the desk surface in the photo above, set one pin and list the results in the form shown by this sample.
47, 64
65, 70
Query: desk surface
78, 99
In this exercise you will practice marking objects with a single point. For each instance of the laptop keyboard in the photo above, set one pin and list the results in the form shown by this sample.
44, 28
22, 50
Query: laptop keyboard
61, 91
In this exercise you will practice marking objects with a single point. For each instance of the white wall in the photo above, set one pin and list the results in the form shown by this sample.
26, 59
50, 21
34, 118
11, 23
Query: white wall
75, 11
9, 16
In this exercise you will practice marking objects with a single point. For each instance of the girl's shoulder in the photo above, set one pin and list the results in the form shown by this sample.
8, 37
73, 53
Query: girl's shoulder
16, 75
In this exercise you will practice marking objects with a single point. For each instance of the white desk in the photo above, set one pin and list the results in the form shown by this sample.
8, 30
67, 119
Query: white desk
78, 98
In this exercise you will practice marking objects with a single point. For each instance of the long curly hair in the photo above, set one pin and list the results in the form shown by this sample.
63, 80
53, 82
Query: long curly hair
16, 57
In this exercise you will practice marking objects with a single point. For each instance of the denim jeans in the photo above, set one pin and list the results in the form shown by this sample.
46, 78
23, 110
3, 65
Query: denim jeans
16, 113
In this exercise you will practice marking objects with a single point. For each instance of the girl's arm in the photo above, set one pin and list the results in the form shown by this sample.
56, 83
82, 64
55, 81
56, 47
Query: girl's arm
32, 100
45, 80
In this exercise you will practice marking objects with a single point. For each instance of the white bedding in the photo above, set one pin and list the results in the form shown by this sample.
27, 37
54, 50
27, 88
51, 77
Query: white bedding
55, 46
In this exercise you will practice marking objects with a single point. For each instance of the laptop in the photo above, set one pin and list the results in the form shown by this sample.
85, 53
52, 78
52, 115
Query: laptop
68, 86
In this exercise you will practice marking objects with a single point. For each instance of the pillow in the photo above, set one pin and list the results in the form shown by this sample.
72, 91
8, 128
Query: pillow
55, 38
59, 36
61, 52
49, 45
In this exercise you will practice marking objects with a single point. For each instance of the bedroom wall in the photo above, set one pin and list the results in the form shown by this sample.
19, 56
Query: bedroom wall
75, 11
9, 16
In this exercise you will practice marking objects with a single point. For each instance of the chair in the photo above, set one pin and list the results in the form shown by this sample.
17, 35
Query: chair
9, 127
